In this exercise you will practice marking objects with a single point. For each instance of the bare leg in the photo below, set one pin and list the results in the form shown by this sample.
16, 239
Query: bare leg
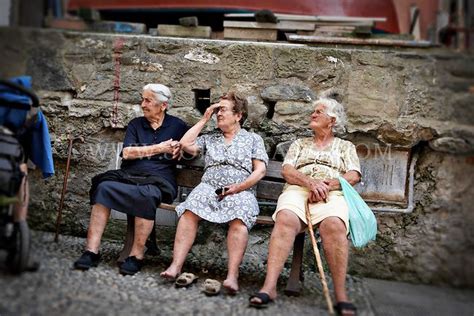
21, 207
237, 238
287, 226
143, 228
336, 251
99, 217
183, 241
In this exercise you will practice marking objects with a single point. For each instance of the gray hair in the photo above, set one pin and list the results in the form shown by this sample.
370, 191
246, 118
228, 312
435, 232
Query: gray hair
336, 110
162, 93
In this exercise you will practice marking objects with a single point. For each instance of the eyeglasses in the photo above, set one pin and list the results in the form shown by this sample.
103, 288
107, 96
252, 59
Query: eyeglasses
222, 110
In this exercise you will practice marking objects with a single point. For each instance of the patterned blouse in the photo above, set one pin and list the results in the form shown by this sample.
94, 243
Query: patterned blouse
232, 163
330, 162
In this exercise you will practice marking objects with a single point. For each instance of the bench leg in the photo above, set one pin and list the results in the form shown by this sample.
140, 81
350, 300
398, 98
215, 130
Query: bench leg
293, 287
151, 247
127, 247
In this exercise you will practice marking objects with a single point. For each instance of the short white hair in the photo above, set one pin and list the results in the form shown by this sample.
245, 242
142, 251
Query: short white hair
162, 93
336, 110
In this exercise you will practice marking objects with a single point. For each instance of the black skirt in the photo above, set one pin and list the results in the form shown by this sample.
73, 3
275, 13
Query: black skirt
139, 200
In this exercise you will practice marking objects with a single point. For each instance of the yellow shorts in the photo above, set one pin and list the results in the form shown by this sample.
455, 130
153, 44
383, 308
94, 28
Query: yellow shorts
294, 198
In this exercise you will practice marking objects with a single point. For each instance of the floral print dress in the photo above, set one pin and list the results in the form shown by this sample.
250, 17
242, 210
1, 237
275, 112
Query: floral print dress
226, 164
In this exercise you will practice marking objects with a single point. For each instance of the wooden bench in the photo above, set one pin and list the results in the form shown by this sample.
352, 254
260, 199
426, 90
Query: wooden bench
388, 187
188, 175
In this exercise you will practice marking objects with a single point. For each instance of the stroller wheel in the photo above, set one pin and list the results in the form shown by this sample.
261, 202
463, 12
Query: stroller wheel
17, 259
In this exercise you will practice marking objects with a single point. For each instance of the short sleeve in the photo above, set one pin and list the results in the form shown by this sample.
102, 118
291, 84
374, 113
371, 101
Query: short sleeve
293, 153
258, 149
350, 158
201, 142
183, 129
131, 136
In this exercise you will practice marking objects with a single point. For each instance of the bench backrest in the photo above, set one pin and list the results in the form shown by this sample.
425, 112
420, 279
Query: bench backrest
189, 173
387, 177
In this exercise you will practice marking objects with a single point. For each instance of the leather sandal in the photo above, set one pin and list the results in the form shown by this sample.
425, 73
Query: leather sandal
345, 308
185, 279
264, 300
211, 287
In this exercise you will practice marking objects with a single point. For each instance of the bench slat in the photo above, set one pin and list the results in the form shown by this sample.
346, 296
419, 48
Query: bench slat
274, 170
188, 178
269, 190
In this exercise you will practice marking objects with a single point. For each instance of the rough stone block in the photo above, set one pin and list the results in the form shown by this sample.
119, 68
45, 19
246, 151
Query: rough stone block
296, 114
372, 91
293, 62
283, 92
184, 31
182, 97
247, 63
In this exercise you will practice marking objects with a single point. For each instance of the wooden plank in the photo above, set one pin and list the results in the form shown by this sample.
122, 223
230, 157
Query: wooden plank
127, 246
296, 25
338, 28
280, 17
184, 31
269, 190
311, 18
250, 34
265, 220
250, 25
344, 23
357, 41
118, 27
274, 170
331, 18
66, 24
363, 30
295, 280
282, 25
188, 178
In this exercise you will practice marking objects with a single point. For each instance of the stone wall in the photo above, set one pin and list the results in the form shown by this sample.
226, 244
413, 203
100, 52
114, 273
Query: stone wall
421, 99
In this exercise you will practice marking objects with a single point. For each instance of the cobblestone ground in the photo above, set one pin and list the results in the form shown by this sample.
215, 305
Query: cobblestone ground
57, 289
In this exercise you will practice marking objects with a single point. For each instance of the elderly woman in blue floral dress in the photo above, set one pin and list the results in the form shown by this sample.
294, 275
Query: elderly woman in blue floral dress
235, 159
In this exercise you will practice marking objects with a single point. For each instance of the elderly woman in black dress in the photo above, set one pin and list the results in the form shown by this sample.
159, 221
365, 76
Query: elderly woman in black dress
145, 178
235, 160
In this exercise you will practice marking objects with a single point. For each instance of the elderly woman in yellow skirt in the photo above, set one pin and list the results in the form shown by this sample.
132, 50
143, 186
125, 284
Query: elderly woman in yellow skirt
311, 168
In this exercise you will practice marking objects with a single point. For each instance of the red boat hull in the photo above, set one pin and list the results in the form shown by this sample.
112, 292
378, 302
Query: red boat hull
359, 8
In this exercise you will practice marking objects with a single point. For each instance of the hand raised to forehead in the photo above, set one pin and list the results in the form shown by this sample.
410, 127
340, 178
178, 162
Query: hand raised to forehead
210, 111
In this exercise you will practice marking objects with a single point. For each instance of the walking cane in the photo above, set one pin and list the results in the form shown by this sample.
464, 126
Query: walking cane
63, 192
318, 260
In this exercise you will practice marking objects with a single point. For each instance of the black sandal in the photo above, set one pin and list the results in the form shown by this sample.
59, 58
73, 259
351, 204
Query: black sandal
264, 300
345, 306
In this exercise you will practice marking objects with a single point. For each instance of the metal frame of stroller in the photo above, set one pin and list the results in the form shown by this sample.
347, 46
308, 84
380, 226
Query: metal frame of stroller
15, 236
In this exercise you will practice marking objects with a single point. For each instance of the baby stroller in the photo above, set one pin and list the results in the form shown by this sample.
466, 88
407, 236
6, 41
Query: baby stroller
18, 110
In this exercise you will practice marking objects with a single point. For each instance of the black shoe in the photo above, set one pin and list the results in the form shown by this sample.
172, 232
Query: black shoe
87, 260
131, 265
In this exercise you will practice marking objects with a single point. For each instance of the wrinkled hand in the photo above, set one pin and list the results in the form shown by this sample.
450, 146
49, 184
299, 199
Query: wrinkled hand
210, 111
333, 184
318, 191
230, 189
170, 146
177, 151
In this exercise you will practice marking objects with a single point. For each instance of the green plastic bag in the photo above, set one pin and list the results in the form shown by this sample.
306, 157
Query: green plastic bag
362, 222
